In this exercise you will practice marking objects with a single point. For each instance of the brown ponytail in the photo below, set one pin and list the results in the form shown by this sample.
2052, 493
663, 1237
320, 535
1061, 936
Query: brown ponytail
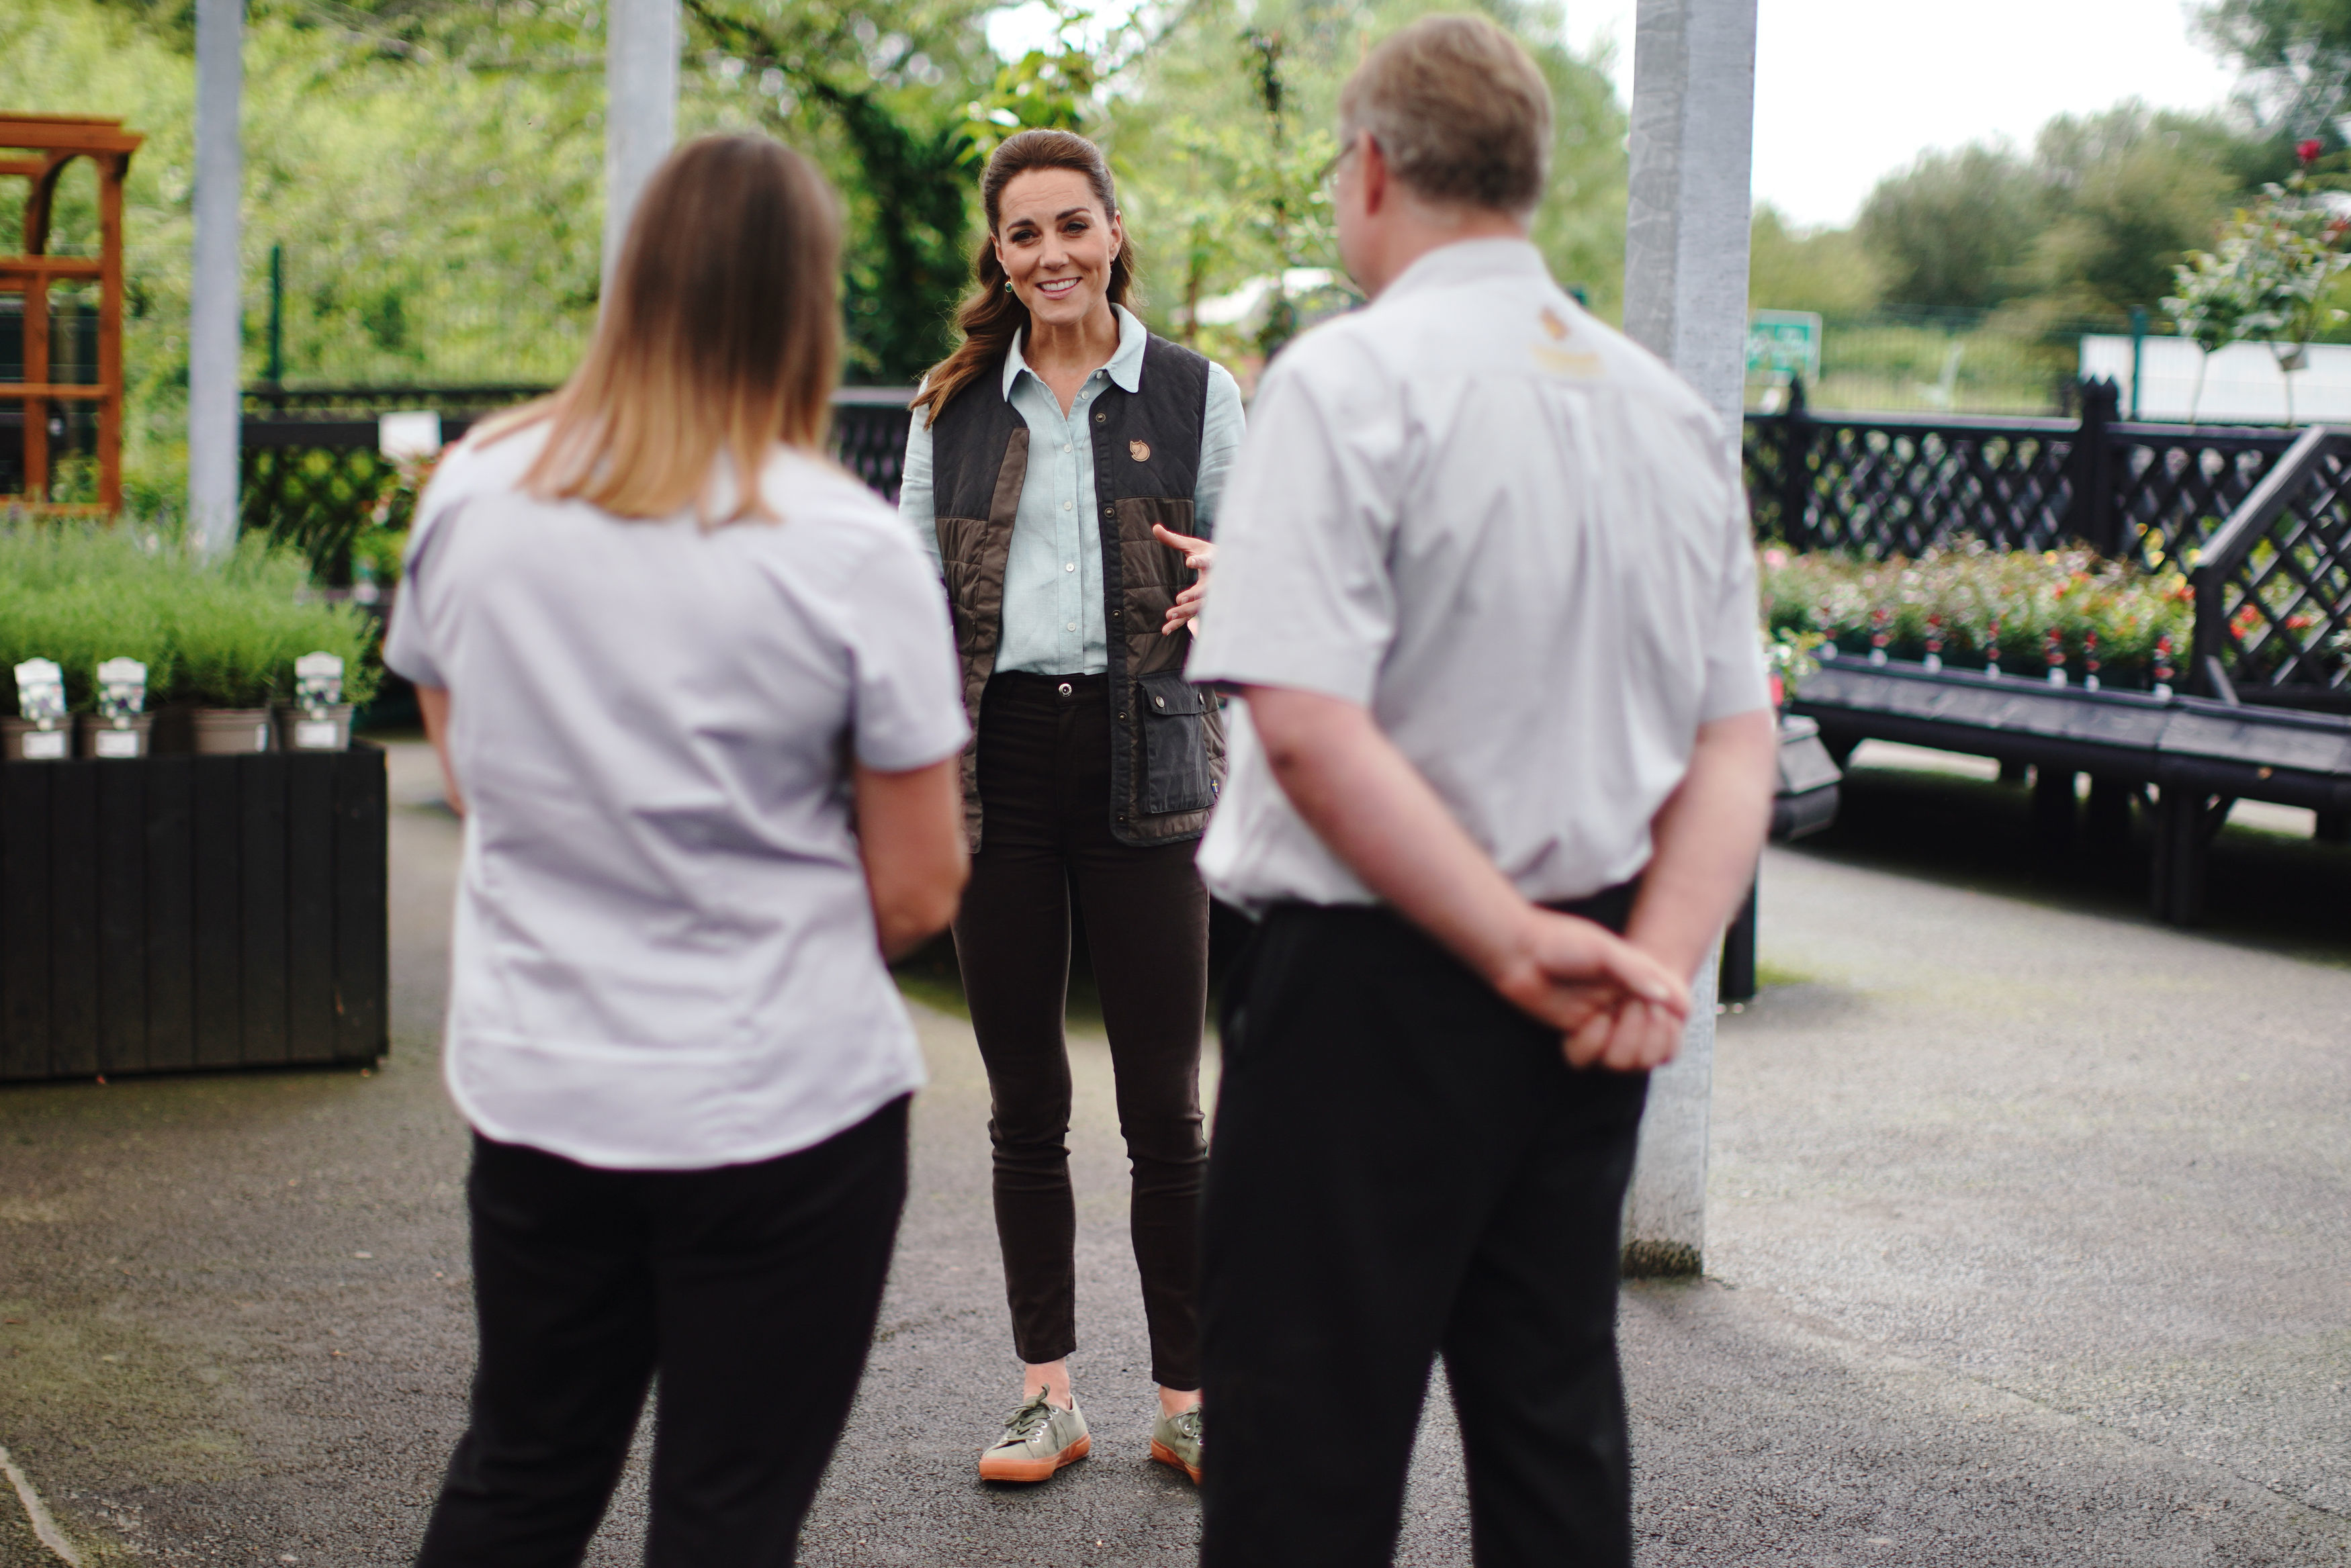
992, 314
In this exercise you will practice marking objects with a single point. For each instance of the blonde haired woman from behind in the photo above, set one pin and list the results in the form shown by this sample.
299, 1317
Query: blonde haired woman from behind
695, 691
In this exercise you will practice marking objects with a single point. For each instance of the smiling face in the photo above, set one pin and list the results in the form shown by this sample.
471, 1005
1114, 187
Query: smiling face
1057, 243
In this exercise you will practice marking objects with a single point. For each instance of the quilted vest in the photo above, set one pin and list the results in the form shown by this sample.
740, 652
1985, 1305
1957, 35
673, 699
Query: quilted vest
1167, 737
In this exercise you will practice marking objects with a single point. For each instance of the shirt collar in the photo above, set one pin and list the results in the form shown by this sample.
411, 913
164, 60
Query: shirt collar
1467, 261
1125, 365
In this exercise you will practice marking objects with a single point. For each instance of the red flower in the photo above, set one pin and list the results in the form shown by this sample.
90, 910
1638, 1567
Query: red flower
2308, 151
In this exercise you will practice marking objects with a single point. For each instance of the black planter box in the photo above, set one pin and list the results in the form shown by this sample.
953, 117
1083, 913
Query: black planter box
179, 912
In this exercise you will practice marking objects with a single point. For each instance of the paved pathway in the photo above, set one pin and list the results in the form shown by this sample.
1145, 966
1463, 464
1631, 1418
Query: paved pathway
2029, 1247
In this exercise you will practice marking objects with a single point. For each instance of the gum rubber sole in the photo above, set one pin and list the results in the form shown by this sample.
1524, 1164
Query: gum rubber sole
1166, 1456
1010, 1470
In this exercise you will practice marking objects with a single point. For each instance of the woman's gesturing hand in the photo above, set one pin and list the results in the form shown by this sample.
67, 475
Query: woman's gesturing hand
1198, 554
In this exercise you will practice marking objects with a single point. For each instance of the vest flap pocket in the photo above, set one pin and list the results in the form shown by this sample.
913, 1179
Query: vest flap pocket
1175, 775
1167, 693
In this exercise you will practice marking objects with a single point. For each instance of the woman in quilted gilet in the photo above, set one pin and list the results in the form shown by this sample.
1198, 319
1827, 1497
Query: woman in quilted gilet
1063, 466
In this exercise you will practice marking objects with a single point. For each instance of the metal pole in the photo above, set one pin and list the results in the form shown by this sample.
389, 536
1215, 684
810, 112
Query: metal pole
640, 108
276, 316
1686, 299
214, 399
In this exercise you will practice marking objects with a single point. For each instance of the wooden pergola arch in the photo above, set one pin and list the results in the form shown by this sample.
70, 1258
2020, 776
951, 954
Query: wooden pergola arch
53, 140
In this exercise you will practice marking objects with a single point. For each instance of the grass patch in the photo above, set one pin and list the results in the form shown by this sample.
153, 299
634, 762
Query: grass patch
1769, 974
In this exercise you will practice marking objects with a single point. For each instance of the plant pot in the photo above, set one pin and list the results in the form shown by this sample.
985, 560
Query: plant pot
297, 732
22, 740
227, 731
104, 738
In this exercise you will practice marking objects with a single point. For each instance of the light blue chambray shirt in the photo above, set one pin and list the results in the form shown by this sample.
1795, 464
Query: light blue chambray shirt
1053, 578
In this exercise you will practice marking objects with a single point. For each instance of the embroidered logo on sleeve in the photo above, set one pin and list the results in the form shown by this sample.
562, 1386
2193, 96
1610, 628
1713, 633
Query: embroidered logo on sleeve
1139, 450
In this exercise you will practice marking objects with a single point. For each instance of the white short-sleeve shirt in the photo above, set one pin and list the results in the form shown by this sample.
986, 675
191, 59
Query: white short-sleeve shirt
664, 955
1517, 539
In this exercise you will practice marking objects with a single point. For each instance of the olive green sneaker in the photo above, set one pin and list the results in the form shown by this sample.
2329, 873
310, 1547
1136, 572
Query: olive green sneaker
1038, 1439
1175, 1441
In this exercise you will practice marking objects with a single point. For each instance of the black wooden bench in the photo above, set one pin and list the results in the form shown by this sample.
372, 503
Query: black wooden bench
2196, 755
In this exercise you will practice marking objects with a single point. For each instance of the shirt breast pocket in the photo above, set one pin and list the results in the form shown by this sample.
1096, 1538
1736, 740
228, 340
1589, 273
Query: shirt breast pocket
1175, 744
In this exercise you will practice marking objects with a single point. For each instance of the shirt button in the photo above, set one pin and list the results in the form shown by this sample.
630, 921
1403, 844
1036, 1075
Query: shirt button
1069, 566
1066, 446
1073, 625
1066, 505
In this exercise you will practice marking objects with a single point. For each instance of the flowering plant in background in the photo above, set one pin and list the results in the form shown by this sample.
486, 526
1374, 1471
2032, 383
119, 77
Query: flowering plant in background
2267, 280
1969, 598
1790, 654
377, 550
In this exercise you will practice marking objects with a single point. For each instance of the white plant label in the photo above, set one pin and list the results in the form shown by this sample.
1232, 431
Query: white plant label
44, 745
117, 744
315, 735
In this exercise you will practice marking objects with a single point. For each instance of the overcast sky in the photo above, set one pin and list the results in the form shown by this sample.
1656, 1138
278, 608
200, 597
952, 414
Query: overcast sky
1848, 90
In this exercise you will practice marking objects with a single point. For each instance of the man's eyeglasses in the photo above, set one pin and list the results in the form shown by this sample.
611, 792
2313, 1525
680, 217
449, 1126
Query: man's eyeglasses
1326, 178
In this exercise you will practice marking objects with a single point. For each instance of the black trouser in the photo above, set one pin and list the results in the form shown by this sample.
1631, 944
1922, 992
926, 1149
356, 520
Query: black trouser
1404, 1163
1044, 791
751, 1289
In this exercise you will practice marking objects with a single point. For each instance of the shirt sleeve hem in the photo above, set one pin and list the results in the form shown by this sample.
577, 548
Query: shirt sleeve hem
909, 759
1346, 685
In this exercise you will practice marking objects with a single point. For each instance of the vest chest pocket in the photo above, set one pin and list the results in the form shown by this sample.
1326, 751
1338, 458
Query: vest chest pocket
1175, 744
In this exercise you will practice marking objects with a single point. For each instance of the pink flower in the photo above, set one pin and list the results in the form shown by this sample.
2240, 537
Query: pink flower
2308, 151
1775, 557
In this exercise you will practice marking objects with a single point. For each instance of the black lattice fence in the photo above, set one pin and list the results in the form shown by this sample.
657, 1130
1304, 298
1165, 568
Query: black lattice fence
869, 434
365, 402
2273, 590
1878, 486
2175, 485
313, 477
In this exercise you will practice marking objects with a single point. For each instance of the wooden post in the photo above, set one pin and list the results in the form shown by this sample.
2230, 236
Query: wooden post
1686, 300
111, 172
56, 140
1736, 981
2094, 520
36, 362
1795, 470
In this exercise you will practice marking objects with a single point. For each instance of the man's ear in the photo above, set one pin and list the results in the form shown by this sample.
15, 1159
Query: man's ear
1375, 175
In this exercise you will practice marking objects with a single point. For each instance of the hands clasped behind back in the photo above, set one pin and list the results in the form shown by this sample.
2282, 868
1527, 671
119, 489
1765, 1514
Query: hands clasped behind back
1615, 1006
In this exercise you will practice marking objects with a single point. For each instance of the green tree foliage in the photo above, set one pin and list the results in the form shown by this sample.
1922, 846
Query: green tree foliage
2127, 194
1954, 228
441, 221
1225, 117
886, 108
2298, 57
1826, 270
2091, 224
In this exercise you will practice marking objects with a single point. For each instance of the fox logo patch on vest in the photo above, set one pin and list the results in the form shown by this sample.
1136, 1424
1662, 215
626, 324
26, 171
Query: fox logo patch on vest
1139, 450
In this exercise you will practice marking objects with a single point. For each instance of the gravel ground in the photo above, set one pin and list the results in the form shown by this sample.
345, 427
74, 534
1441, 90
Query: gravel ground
2029, 1246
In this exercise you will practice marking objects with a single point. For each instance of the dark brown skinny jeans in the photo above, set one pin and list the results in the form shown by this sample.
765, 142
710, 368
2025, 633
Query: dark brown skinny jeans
1044, 790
